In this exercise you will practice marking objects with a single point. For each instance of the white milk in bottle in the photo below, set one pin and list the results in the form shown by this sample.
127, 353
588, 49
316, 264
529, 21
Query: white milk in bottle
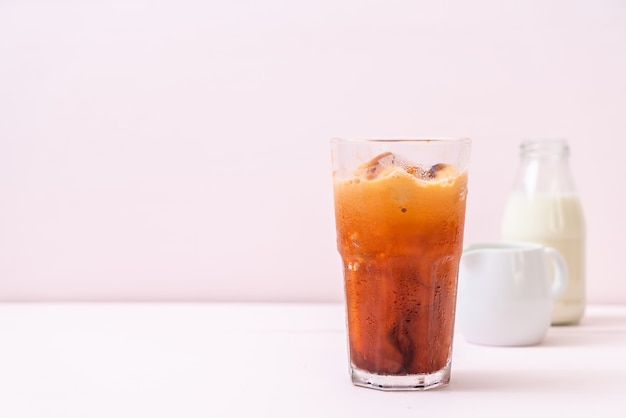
544, 207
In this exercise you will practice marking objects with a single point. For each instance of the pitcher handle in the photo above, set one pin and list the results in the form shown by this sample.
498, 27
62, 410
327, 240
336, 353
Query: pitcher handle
561, 274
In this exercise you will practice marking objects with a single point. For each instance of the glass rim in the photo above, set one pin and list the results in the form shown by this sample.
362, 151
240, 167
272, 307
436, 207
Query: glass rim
461, 140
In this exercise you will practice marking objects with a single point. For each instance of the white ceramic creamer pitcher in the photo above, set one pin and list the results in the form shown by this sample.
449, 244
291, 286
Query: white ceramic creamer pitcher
506, 291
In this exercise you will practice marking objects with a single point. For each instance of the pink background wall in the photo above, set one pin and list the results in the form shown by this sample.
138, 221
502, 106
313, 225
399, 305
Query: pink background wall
178, 150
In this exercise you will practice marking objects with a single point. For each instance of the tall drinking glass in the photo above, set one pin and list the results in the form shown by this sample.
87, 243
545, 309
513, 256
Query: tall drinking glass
400, 214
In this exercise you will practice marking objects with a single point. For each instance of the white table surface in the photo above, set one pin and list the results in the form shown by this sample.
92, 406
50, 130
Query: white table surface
281, 360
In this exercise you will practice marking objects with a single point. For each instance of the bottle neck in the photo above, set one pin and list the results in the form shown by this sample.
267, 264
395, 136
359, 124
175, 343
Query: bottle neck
544, 167
548, 150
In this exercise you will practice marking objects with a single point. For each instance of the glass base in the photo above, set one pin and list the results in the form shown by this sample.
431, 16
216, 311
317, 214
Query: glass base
408, 382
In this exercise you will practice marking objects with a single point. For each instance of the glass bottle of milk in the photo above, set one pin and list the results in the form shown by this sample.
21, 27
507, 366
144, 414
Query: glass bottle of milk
543, 207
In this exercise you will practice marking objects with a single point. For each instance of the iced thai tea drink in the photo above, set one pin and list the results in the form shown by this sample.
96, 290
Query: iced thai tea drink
400, 211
